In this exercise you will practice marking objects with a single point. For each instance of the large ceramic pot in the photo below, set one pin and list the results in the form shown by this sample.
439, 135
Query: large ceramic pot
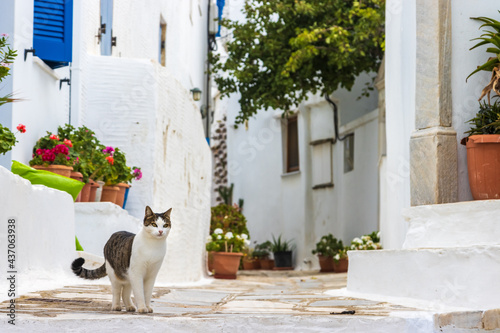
326, 263
483, 163
62, 170
283, 260
109, 193
120, 197
341, 265
226, 264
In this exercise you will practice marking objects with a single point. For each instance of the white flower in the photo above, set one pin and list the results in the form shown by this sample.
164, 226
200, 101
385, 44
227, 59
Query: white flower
247, 242
219, 237
324, 240
244, 236
357, 241
229, 235
366, 238
337, 257
218, 231
378, 234
328, 248
209, 238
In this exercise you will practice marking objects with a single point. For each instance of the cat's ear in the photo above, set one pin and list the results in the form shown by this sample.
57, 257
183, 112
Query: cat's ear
149, 212
166, 215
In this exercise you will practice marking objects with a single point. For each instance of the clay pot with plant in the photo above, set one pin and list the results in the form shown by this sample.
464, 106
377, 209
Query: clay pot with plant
226, 250
54, 154
330, 252
483, 140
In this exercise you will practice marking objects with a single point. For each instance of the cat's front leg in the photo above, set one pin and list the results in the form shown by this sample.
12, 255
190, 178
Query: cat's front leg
148, 291
136, 281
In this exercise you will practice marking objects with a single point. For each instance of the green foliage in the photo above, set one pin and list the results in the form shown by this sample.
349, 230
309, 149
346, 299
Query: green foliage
280, 245
262, 250
329, 246
492, 40
50, 149
7, 140
7, 56
487, 119
286, 49
226, 194
228, 218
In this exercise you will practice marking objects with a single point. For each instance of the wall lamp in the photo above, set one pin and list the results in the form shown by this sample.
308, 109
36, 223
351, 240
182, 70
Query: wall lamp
196, 94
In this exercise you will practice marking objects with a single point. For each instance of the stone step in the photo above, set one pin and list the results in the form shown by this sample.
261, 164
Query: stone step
465, 277
449, 225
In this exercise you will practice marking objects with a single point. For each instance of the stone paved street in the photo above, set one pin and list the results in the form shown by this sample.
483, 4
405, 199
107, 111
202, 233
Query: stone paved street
261, 301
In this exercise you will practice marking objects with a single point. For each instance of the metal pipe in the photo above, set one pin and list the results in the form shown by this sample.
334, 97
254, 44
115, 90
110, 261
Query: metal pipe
336, 121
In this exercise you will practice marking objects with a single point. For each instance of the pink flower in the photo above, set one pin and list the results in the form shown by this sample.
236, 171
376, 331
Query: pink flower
108, 150
49, 157
21, 128
39, 151
67, 157
4, 35
61, 149
137, 174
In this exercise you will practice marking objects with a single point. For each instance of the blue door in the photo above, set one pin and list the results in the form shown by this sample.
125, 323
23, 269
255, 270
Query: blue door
106, 26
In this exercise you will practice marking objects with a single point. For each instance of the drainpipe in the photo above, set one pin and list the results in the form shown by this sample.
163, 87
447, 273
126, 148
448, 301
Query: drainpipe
336, 121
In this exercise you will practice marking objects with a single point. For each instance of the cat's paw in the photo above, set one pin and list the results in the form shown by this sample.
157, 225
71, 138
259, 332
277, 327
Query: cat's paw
150, 309
131, 308
143, 310
116, 308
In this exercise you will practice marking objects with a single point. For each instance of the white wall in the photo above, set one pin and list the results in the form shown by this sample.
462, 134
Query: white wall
44, 230
400, 116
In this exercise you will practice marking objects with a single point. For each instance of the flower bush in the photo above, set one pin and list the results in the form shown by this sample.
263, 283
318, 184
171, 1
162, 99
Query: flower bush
8, 139
367, 242
219, 241
228, 218
330, 246
50, 149
262, 250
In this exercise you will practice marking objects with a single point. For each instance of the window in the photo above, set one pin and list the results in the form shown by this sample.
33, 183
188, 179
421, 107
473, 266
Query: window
349, 153
106, 27
322, 163
53, 31
163, 33
292, 145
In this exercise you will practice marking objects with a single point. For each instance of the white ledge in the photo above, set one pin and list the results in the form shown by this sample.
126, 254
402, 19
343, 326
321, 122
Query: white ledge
46, 68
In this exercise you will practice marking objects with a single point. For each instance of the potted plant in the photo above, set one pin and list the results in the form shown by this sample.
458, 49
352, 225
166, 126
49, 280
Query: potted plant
249, 261
483, 141
53, 154
329, 250
261, 253
227, 249
282, 251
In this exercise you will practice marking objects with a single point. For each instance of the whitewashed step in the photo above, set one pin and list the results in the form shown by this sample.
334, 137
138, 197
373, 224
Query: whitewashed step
457, 224
462, 277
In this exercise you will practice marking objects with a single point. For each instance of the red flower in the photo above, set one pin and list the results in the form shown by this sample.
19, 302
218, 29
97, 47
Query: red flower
54, 137
21, 128
68, 143
61, 149
110, 159
39, 151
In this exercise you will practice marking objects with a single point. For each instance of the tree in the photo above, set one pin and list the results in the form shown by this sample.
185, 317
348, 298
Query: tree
286, 49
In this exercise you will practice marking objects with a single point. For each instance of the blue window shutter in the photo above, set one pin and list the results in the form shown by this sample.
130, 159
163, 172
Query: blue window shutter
220, 5
53, 31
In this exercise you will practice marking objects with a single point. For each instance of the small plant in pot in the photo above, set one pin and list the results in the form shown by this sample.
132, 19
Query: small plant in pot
262, 252
483, 141
227, 250
282, 251
330, 250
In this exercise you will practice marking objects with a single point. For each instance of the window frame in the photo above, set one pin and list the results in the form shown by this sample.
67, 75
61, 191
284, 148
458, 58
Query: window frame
292, 121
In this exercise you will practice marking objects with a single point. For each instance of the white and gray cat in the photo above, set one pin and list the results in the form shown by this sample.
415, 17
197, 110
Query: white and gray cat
132, 262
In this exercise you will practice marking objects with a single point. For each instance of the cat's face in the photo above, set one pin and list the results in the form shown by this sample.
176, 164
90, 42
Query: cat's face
157, 225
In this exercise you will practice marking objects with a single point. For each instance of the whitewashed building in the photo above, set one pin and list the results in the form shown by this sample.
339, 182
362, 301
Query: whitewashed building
125, 69
299, 180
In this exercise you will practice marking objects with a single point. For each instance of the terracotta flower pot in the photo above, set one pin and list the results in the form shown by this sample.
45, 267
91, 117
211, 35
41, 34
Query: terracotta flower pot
62, 170
78, 176
121, 193
85, 192
266, 263
226, 264
326, 263
341, 266
250, 264
210, 261
483, 164
109, 193
93, 189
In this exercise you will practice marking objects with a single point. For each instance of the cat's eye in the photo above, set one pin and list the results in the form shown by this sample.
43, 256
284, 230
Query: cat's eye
154, 225
166, 226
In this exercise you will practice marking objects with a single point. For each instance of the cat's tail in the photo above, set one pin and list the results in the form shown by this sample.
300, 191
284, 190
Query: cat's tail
93, 274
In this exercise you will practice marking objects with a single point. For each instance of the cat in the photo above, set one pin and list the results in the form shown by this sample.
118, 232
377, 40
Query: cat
132, 262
